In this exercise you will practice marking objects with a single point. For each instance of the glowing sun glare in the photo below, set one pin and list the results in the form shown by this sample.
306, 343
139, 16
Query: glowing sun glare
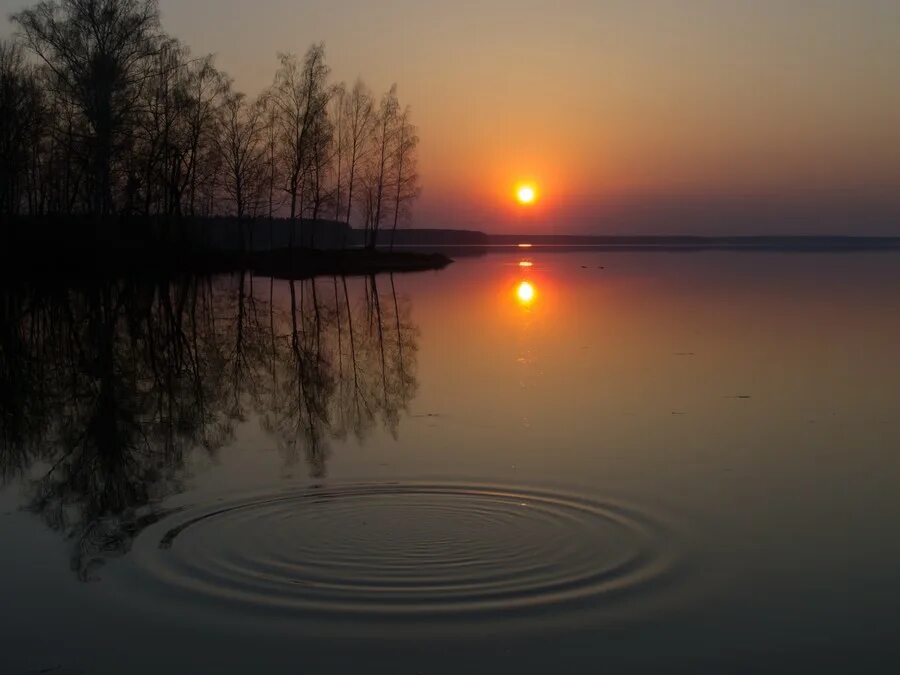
525, 293
526, 194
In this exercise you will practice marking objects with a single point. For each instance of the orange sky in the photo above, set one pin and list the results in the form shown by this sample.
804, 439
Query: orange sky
630, 115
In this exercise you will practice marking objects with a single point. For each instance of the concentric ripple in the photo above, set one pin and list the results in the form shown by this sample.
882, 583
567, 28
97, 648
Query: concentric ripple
409, 550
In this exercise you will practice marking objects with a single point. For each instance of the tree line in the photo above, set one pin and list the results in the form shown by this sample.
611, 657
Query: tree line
104, 116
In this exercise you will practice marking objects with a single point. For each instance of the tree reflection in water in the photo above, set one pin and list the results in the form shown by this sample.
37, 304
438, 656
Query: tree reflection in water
107, 388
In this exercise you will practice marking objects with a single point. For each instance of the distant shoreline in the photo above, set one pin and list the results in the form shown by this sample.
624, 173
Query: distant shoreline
66, 247
462, 242
228, 235
812, 246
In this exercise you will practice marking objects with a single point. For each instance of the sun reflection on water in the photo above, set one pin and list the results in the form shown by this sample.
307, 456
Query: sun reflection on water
525, 292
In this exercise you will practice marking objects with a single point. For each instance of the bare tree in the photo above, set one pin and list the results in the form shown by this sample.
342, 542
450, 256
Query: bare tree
320, 164
242, 155
114, 117
97, 52
357, 120
270, 122
378, 177
21, 111
205, 88
159, 140
301, 97
406, 185
338, 104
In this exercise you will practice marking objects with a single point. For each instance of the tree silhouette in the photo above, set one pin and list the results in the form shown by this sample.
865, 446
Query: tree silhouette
406, 183
300, 97
117, 123
98, 55
242, 156
22, 111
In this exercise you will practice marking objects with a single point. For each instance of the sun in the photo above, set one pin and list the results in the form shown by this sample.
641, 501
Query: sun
526, 194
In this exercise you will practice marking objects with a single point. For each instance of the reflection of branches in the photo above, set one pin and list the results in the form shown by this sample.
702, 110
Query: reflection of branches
119, 395
357, 391
247, 353
406, 383
336, 370
298, 413
105, 389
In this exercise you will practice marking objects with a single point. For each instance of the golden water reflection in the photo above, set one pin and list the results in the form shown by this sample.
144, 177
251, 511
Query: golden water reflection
526, 293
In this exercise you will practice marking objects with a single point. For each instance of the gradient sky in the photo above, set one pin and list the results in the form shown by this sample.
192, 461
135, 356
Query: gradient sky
632, 116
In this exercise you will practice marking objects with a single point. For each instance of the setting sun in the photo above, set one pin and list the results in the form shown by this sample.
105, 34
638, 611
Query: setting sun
526, 194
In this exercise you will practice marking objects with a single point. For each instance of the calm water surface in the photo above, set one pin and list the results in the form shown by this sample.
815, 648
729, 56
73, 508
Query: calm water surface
530, 462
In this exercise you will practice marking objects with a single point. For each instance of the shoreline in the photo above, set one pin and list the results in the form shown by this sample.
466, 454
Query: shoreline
135, 260
307, 263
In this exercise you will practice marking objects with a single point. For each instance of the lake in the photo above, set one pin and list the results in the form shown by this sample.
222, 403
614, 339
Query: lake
529, 462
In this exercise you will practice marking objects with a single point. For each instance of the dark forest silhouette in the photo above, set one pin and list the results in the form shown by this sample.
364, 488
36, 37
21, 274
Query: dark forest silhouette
109, 388
110, 127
